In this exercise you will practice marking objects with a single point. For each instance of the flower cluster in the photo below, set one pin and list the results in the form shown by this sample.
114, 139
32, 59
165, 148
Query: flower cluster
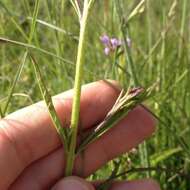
111, 44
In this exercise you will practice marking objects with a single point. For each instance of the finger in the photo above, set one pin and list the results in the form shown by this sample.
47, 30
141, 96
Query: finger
136, 185
72, 183
138, 125
28, 134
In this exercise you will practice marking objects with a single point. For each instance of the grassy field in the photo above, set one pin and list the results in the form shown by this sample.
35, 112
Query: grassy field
159, 53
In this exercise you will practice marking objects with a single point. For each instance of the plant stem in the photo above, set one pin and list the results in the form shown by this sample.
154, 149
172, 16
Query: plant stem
17, 76
149, 36
32, 30
182, 29
121, 108
143, 169
33, 25
33, 47
125, 33
1, 113
63, 132
77, 90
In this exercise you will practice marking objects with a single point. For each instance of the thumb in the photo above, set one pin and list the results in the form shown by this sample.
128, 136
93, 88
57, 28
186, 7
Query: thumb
73, 183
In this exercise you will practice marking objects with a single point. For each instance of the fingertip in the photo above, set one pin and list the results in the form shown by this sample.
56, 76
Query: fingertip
71, 183
111, 87
146, 118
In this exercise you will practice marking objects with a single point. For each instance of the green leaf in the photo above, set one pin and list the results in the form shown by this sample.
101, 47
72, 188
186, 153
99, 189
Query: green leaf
63, 132
159, 157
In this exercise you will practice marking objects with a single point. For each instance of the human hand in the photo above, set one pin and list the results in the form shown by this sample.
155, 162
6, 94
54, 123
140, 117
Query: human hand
31, 152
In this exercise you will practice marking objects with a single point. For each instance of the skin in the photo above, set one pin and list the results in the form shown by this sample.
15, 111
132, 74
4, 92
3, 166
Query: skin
31, 153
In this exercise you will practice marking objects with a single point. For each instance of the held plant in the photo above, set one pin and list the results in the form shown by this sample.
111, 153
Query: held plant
83, 18
126, 101
68, 137
26, 33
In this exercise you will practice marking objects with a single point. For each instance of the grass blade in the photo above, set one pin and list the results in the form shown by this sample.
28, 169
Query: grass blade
1, 113
44, 23
13, 20
125, 33
33, 47
17, 76
33, 25
124, 104
182, 29
24, 57
48, 100
157, 158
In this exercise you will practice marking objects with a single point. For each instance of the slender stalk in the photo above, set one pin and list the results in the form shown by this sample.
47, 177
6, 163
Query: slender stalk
32, 30
125, 102
17, 76
103, 127
33, 25
1, 113
144, 157
149, 34
129, 59
27, 7
33, 47
77, 89
56, 28
63, 132
143, 150
182, 29
13, 20
125, 33
144, 169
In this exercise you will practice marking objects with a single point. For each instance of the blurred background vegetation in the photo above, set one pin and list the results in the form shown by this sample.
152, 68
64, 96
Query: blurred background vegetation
160, 52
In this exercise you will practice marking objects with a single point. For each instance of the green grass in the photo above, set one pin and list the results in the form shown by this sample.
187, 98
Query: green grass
159, 53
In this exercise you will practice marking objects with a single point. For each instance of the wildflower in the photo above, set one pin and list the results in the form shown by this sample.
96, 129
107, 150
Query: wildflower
115, 43
105, 40
111, 44
107, 50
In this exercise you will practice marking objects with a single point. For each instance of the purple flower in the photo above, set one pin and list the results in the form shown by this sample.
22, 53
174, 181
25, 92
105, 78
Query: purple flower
111, 44
106, 50
105, 40
115, 43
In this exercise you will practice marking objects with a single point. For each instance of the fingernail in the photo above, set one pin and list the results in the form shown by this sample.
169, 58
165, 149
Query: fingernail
72, 183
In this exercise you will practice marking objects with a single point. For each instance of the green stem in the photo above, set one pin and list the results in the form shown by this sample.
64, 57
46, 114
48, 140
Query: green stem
102, 128
121, 108
17, 76
1, 113
149, 34
33, 47
33, 25
32, 30
77, 89
182, 29
63, 132
125, 33
168, 171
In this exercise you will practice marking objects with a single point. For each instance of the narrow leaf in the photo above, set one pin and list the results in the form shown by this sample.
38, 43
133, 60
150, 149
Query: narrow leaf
48, 100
